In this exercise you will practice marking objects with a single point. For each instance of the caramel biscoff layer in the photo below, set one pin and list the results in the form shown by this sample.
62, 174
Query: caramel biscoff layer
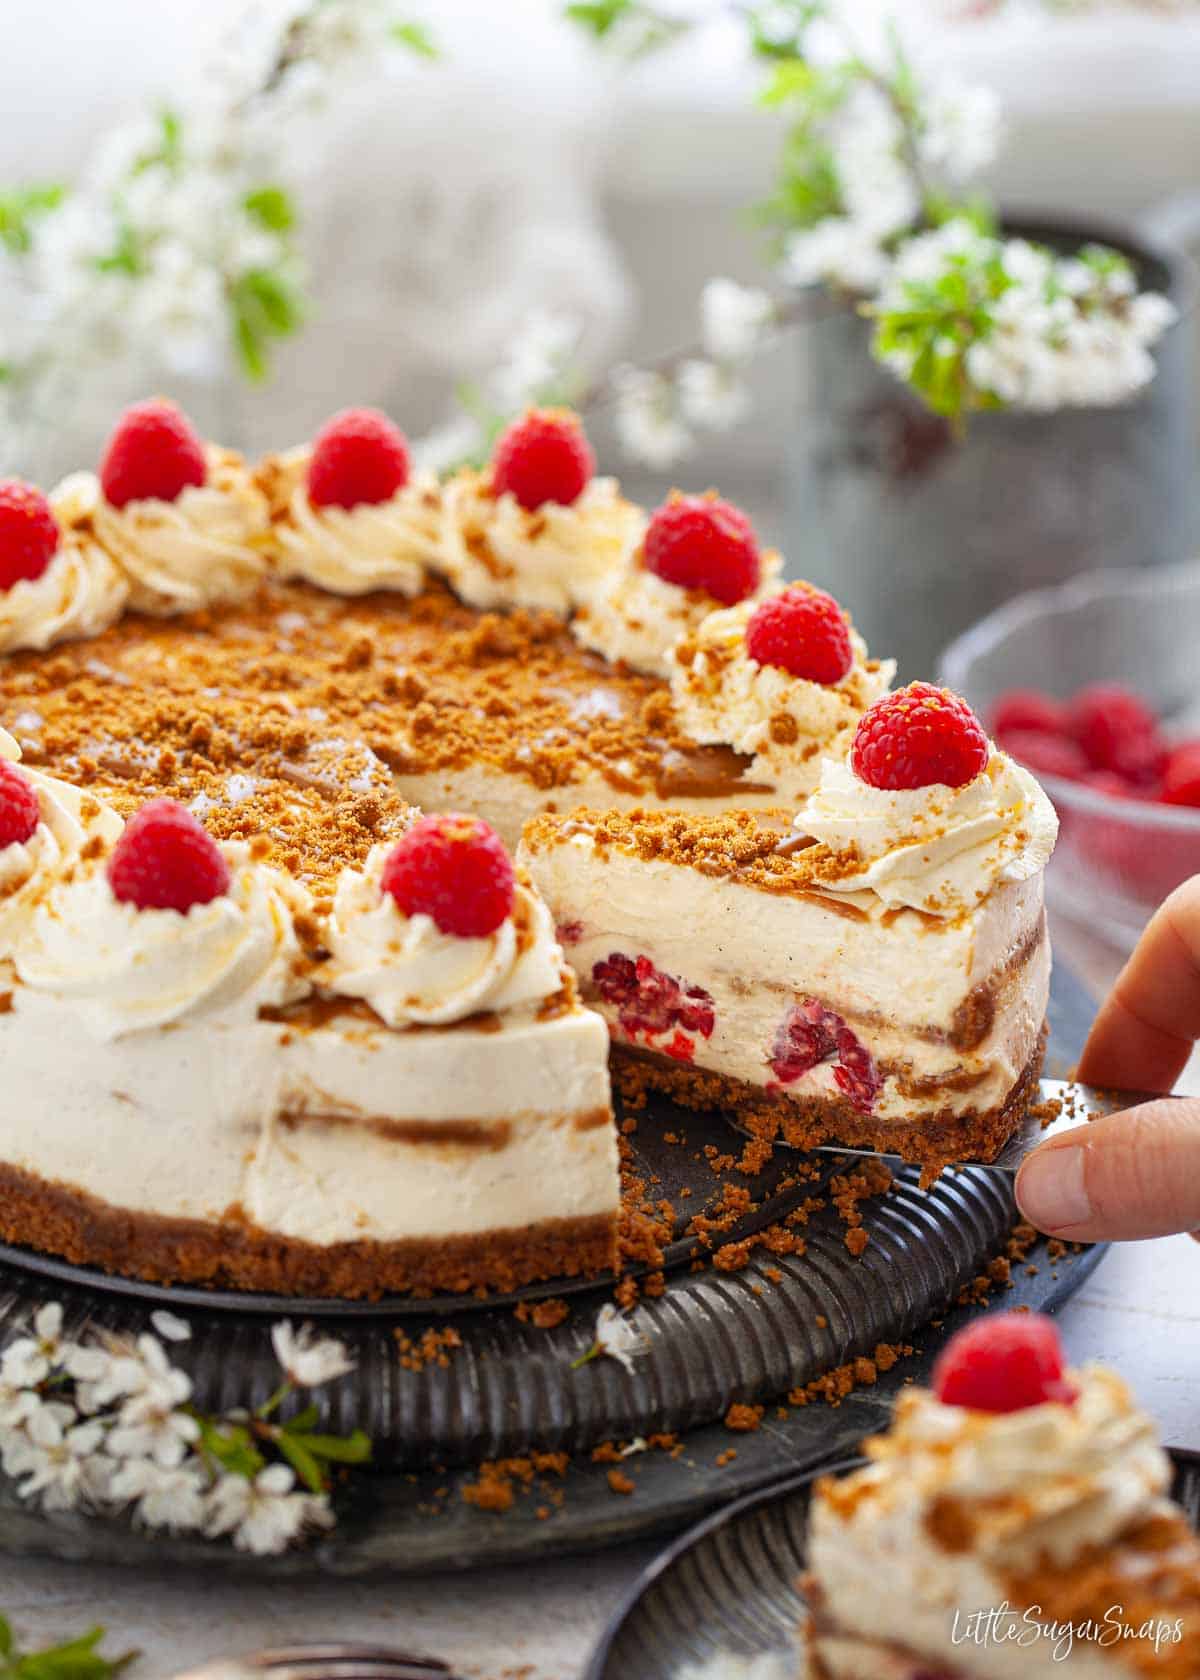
285, 716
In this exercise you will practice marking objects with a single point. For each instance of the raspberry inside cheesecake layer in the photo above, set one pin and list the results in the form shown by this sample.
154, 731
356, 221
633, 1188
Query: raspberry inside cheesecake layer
729, 979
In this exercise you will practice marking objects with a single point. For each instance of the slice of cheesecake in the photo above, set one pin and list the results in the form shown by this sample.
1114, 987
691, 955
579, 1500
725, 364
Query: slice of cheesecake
1012, 1523
873, 971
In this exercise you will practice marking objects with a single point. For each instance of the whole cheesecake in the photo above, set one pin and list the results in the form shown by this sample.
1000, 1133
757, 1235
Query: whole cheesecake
301, 1079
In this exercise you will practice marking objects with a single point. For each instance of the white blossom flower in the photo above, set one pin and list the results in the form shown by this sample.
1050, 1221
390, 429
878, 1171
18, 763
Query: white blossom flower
712, 396
540, 356
150, 1423
733, 319
961, 127
172, 1499
836, 251
170, 1327
309, 1361
648, 424
29, 1361
264, 1515
618, 1338
54, 1454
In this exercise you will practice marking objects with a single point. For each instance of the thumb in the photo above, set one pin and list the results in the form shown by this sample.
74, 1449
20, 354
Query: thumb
1133, 1174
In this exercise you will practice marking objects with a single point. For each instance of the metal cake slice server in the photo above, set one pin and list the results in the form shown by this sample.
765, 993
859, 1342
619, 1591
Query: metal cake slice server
1080, 1103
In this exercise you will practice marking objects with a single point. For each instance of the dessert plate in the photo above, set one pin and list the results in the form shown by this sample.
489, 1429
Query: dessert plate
515, 1384
732, 1586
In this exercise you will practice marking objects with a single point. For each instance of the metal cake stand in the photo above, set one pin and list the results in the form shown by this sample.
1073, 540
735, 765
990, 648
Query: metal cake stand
716, 1339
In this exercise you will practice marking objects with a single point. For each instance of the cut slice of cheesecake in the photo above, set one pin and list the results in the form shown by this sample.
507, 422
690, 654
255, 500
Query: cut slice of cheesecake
742, 964
1001, 1535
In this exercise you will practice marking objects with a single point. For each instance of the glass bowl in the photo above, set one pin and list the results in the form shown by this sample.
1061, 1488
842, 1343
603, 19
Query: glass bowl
1117, 859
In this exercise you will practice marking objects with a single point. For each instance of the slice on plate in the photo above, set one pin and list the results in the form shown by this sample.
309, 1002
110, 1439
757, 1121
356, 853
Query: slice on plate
1013, 1522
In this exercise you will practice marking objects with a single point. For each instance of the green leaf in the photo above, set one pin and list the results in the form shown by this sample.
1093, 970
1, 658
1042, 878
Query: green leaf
303, 1420
230, 1445
125, 256
274, 297
76, 1659
301, 1461
417, 39
599, 16
6, 1637
340, 1449
19, 208
271, 208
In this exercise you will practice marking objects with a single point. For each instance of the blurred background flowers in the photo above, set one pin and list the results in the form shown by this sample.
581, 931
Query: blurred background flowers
786, 246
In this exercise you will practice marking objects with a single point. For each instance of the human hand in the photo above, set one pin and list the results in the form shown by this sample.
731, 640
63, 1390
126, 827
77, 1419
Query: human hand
1136, 1173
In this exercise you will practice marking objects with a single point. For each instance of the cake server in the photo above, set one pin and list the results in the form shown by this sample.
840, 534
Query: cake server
1080, 1103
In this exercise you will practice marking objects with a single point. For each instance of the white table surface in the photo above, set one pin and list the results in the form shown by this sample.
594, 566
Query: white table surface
1140, 1311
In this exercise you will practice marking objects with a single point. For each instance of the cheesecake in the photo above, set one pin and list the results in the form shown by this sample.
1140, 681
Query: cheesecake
1012, 1522
232, 1079
872, 969
301, 657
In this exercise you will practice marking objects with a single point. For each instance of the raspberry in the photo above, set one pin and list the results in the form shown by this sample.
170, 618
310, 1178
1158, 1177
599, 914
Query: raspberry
19, 810
701, 542
919, 736
651, 1002
1050, 755
358, 456
803, 631
165, 861
1181, 779
1118, 731
543, 457
1027, 708
1003, 1363
810, 1034
29, 533
455, 869
153, 455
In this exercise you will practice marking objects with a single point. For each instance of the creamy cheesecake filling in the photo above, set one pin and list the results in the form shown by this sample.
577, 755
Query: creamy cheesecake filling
328, 1134
949, 1014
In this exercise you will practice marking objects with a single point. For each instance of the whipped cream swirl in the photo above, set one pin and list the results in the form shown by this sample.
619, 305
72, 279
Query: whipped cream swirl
938, 849
81, 592
351, 551
29, 870
124, 970
209, 545
496, 553
784, 723
1047, 1481
411, 973
636, 618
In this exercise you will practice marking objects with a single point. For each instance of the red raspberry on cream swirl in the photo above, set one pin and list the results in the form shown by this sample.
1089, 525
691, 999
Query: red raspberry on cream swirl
937, 849
121, 969
784, 722
30, 867
411, 972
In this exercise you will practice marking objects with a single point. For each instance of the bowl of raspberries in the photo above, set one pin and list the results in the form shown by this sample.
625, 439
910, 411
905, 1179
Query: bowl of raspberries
1095, 686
